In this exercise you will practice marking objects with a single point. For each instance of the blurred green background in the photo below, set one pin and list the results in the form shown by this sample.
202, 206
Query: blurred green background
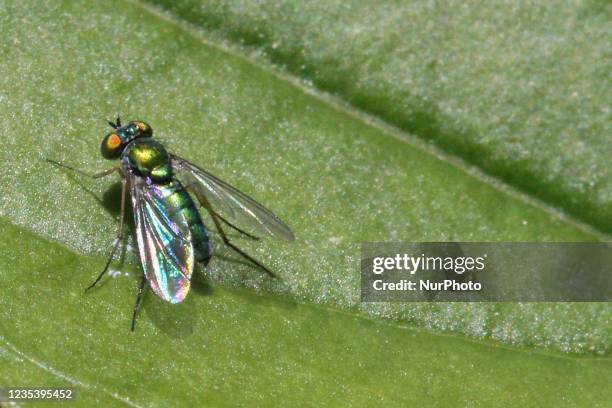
353, 121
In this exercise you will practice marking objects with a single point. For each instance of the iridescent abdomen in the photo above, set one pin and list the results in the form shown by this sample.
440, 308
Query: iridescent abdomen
178, 205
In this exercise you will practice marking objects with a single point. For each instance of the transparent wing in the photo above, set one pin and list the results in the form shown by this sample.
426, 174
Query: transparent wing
164, 244
229, 201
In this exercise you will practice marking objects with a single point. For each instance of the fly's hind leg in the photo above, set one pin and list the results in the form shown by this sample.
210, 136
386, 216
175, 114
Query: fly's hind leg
240, 251
212, 212
217, 220
232, 226
119, 237
138, 301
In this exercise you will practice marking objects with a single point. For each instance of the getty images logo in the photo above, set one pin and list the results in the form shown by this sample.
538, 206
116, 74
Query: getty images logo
412, 264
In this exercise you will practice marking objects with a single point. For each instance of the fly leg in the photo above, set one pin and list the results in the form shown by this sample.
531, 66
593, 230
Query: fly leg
116, 125
232, 226
217, 220
119, 237
201, 199
138, 301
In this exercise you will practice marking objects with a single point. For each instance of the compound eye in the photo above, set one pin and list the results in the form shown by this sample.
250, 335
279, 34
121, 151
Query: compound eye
111, 146
144, 128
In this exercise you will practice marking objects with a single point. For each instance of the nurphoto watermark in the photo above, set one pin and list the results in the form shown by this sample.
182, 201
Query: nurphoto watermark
481, 272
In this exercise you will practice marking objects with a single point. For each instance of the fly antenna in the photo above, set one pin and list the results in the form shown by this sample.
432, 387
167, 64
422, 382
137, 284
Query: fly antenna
117, 124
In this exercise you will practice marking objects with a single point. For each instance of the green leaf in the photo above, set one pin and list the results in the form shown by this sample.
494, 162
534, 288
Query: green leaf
226, 347
337, 177
520, 90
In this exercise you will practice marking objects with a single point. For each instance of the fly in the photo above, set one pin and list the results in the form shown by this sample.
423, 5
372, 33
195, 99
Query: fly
169, 230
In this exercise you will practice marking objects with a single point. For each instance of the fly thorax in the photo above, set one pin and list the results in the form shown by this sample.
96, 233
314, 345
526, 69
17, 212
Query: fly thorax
149, 158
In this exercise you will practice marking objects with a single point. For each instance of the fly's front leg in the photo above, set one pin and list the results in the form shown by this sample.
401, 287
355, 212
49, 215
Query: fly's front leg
97, 175
119, 238
217, 221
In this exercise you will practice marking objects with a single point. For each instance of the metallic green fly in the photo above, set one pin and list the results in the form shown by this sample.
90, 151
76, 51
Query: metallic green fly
170, 233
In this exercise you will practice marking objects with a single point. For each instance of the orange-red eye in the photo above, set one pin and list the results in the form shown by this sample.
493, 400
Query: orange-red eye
111, 146
113, 142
